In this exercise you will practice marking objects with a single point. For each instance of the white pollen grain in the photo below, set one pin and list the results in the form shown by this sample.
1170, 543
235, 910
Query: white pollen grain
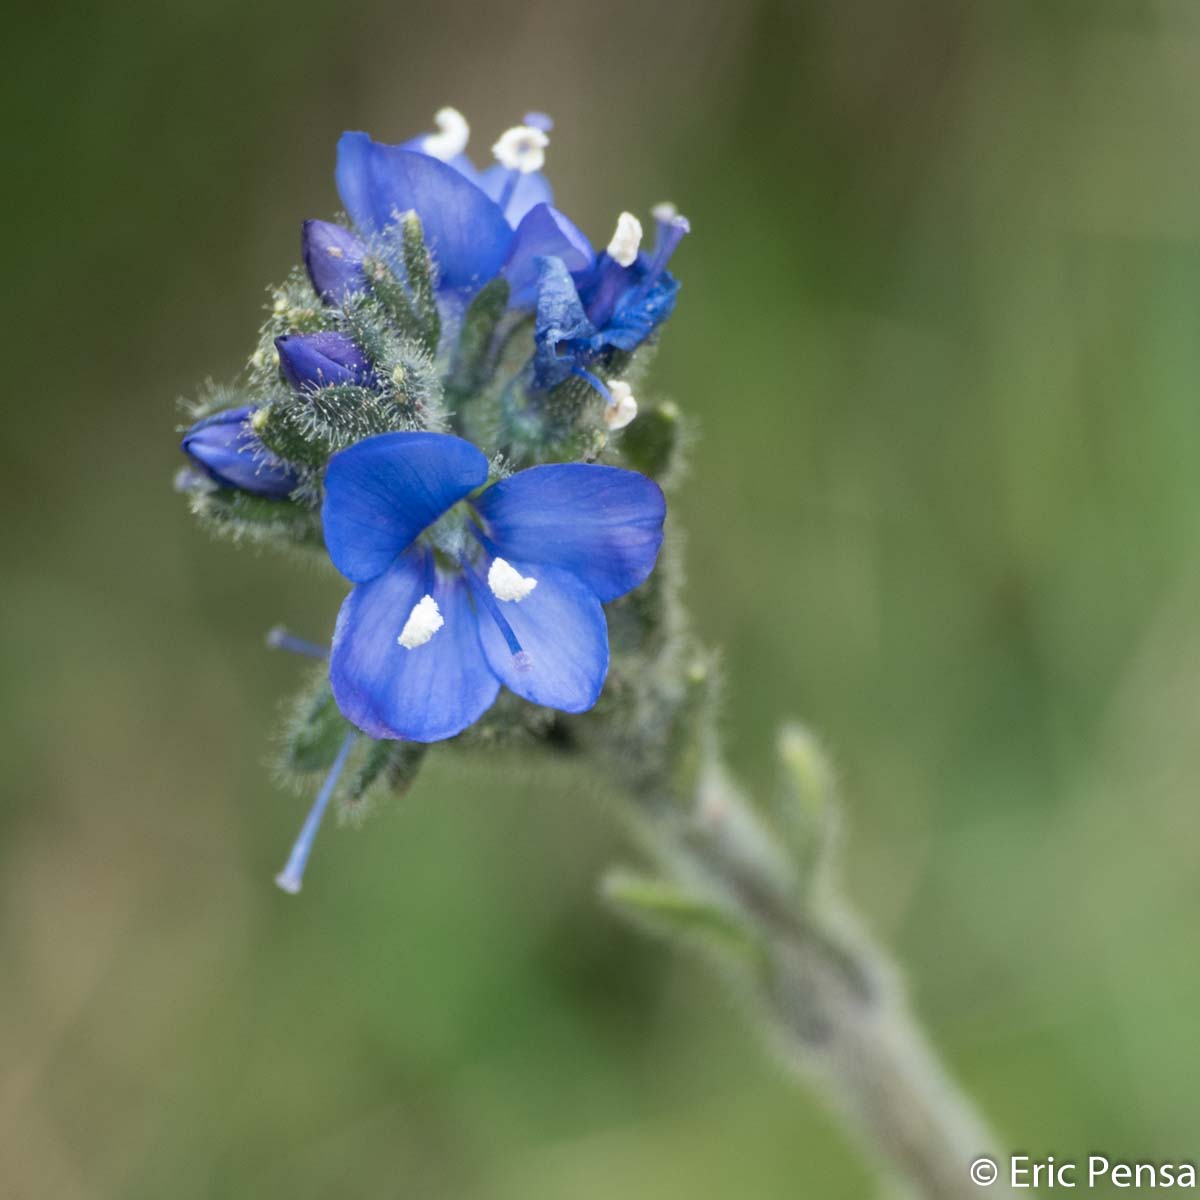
451, 138
626, 240
522, 148
507, 583
423, 622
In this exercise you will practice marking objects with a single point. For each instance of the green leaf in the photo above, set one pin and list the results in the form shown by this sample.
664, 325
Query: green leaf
670, 910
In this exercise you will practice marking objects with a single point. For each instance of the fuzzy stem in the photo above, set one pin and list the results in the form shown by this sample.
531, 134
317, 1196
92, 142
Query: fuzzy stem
827, 997
832, 1003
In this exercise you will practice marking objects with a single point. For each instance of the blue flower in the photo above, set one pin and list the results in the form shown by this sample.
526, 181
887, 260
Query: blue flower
477, 225
616, 305
459, 591
225, 447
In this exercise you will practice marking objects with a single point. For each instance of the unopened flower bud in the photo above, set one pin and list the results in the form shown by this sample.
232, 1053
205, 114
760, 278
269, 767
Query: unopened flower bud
226, 448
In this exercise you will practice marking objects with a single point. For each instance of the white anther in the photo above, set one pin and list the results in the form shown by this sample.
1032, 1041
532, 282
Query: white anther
452, 135
423, 622
335, 252
665, 211
623, 408
522, 148
507, 583
626, 240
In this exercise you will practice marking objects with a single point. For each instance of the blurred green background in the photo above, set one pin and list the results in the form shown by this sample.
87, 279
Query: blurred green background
940, 334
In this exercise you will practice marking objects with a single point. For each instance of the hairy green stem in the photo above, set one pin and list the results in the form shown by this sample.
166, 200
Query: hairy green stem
760, 897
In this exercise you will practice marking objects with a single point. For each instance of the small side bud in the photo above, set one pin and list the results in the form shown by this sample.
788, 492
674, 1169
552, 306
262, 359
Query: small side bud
806, 808
653, 444
669, 910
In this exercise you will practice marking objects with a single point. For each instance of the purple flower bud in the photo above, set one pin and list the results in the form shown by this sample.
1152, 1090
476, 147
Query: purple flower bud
333, 257
315, 360
225, 447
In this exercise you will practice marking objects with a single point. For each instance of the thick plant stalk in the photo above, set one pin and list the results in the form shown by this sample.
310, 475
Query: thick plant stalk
761, 900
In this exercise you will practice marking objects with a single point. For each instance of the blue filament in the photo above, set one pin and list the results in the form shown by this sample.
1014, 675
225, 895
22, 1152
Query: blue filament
292, 875
279, 639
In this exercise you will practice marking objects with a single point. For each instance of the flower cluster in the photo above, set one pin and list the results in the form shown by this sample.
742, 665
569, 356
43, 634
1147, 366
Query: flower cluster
436, 403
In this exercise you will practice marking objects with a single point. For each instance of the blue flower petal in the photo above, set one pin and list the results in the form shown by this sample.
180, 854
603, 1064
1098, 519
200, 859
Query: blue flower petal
560, 325
465, 231
424, 694
564, 641
333, 258
460, 162
382, 492
530, 190
641, 312
603, 524
354, 177
543, 231
316, 360
230, 454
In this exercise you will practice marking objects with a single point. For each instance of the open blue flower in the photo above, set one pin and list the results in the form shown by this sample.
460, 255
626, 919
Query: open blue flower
477, 225
616, 305
225, 446
458, 591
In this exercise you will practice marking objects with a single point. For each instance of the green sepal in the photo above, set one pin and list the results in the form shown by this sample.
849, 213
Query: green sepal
391, 295
294, 308
469, 370
308, 429
422, 280
243, 517
385, 771
316, 732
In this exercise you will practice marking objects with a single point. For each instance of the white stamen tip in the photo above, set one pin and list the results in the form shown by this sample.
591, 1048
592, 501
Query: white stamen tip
623, 408
423, 622
522, 148
665, 211
289, 882
626, 240
452, 135
523, 660
507, 583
